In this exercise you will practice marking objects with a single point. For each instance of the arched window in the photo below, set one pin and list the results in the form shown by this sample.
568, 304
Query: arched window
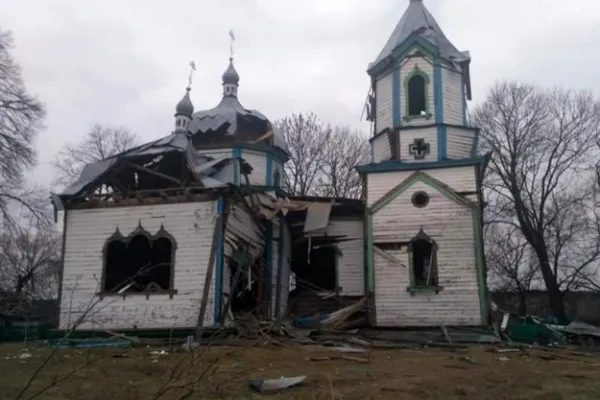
423, 260
416, 93
139, 263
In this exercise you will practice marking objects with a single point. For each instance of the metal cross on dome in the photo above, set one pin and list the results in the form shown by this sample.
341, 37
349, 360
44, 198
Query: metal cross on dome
419, 149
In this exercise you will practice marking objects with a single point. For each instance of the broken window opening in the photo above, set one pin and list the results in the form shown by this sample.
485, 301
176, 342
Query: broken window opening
423, 253
315, 267
417, 95
246, 291
140, 263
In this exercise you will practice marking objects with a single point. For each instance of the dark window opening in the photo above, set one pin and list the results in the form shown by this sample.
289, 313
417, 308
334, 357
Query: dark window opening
317, 270
246, 286
424, 263
420, 199
140, 263
277, 179
417, 96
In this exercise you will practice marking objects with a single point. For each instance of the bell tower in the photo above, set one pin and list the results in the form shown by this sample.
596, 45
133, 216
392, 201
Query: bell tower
421, 84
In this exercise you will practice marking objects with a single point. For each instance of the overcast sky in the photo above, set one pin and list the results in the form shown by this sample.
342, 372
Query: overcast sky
125, 62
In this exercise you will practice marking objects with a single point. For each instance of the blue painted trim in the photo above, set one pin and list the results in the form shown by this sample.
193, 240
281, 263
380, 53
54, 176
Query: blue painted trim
269, 171
442, 142
413, 40
269, 260
464, 101
438, 95
237, 153
394, 165
219, 261
396, 97
409, 127
280, 257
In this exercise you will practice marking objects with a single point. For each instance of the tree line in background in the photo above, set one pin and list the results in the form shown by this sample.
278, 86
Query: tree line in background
542, 216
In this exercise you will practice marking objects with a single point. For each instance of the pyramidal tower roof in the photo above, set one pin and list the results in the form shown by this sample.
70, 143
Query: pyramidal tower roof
418, 21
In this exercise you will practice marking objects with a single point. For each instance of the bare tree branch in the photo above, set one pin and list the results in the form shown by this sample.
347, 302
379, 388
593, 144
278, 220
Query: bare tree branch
21, 117
344, 150
539, 178
101, 142
307, 138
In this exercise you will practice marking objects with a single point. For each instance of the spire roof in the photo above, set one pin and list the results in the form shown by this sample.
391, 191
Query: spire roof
185, 106
417, 20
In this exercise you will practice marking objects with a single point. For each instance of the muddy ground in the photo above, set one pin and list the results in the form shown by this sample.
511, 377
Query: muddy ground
223, 373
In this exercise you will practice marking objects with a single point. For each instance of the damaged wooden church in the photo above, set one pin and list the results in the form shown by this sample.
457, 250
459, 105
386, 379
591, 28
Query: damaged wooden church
196, 228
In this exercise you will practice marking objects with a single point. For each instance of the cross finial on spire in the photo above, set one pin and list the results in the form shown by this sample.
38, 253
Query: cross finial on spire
232, 39
193, 68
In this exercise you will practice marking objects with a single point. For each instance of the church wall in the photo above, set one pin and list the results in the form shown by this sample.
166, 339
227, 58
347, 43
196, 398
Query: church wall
451, 226
407, 67
351, 263
383, 110
407, 138
460, 179
284, 259
452, 92
381, 148
459, 142
192, 226
258, 162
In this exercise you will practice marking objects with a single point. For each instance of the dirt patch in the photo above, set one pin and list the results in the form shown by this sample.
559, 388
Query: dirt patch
224, 373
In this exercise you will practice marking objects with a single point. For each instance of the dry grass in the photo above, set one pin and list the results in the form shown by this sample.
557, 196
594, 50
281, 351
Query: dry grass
390, 374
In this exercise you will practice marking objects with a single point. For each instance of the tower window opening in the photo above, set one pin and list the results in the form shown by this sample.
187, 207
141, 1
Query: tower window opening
417, 95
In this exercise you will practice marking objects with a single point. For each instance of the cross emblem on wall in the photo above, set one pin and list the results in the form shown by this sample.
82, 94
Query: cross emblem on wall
419, 149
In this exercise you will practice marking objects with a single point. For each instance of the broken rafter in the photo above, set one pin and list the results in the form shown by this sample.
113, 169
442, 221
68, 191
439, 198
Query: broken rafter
264, 137
155, 173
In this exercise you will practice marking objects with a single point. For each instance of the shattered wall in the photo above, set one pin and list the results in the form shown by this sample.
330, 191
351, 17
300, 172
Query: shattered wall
190, 224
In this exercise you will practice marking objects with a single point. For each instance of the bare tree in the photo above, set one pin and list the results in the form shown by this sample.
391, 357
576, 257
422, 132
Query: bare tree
512, 265
543, 143
21, 117
344, 150
99, 143
29, 262
307, 138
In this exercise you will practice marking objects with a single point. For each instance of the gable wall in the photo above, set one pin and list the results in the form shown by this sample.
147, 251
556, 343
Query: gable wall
451, 226
459, 179
191, 224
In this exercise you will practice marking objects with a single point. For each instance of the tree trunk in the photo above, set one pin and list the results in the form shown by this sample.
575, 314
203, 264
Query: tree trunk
522, 303
554, 294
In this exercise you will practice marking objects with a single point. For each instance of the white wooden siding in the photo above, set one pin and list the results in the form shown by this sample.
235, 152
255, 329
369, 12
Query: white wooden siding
191, 224
460, 179
427, 67
258, 162
351, 263
383, 109
381, 148
217, 153
450, 225
452, 92
459, 142
407, 137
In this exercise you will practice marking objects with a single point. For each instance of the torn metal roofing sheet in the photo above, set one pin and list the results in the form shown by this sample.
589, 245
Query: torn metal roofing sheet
418, 20
210, 172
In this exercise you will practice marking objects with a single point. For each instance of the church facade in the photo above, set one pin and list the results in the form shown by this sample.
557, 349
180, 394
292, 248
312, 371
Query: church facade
423, 223
194, 228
